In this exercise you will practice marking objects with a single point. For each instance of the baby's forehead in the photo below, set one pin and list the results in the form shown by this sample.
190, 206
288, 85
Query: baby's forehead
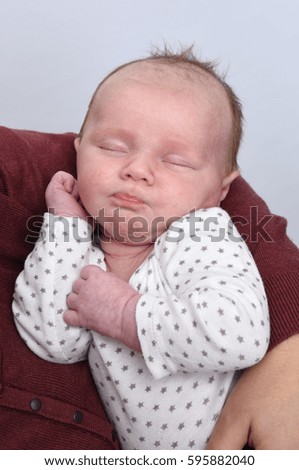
176, 77
161, 73
182, 79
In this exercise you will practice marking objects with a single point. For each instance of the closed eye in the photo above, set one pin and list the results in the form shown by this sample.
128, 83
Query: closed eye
177, 160
111, 148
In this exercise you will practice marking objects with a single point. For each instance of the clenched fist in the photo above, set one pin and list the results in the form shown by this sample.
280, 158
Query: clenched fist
102, 302
62, 197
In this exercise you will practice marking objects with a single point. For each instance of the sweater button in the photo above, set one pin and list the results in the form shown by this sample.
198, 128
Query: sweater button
35, 404
78, 417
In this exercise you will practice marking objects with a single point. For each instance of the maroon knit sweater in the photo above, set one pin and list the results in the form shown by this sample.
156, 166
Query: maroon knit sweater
51, 406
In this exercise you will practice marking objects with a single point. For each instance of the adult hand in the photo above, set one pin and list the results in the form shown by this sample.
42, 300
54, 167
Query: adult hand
263, 408
102, 302
62, 197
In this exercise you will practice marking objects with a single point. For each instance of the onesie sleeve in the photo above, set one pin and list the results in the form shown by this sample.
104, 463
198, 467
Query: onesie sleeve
213, 313
42, 287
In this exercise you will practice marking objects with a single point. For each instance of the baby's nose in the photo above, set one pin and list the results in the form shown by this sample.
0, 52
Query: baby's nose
139, 168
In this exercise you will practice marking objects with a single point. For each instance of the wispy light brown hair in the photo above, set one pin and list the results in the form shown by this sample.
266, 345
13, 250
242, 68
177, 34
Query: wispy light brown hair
186, 57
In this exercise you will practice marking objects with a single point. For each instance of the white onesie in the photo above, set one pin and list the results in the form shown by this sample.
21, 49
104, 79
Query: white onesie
201, 317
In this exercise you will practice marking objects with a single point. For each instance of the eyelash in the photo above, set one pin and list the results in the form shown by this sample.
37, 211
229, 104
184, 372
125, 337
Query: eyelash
111, 149
182, 164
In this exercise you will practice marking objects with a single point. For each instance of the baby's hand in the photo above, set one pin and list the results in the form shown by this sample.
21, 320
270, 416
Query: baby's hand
62, 197
102, 302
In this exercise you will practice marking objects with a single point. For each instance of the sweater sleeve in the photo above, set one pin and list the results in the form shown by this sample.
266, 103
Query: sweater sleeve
212, 314
277, 258
42, 287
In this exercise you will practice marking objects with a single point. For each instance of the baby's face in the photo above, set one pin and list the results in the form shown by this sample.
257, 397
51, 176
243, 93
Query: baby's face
153, 148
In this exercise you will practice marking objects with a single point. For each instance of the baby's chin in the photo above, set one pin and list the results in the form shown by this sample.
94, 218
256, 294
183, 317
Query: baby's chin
133, 236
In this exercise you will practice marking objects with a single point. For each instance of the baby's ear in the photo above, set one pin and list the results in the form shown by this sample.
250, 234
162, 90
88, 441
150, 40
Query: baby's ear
227, 181
77, 143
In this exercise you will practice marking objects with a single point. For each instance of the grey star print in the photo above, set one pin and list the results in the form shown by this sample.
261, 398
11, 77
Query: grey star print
201, 317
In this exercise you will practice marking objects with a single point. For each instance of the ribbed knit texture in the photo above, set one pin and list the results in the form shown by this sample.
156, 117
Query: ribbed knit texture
283, 324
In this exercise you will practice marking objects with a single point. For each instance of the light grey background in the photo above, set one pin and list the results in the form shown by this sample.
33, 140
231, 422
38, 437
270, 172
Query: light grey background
54, 52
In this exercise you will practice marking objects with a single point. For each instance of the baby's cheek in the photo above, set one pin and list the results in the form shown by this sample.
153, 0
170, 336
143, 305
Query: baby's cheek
86, 192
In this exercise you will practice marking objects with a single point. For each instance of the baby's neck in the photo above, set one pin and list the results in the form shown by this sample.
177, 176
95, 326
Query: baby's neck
122, 259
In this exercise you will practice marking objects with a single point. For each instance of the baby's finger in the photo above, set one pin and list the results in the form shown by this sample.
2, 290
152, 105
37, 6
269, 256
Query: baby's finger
71, 317
62, 178
77, 285
72, 300
69, 183
89, 270
74, 190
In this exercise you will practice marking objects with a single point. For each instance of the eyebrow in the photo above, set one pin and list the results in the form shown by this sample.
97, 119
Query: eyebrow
114, 131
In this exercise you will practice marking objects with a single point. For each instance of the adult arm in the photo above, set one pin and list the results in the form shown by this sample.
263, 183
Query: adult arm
263, 409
